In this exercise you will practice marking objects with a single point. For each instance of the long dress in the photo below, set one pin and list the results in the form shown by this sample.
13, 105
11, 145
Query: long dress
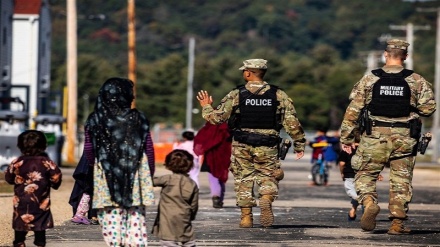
177, 208
32, 177
117, 139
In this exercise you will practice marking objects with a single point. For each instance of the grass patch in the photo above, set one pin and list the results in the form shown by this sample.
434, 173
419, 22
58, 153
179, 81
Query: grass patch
69, 165
4, 186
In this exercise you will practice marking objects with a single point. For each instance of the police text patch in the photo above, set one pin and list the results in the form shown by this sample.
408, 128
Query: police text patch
391, 90
258, 102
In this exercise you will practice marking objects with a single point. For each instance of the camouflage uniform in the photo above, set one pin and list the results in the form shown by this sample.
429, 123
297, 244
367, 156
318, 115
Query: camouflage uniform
385, 146
256, 164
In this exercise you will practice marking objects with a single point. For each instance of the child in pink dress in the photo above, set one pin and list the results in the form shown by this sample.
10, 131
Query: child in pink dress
188, 145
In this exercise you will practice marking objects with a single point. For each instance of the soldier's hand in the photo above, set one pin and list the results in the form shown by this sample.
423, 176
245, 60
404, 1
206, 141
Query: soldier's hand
347, 148
299, 155
380, 177
204, 98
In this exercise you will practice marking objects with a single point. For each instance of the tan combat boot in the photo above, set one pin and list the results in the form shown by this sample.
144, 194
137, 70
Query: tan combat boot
371, 210
246, 218
397, 228
266, 216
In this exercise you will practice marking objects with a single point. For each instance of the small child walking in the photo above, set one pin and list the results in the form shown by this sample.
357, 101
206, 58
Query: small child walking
33, 174
178, 203
82, 192
347, 174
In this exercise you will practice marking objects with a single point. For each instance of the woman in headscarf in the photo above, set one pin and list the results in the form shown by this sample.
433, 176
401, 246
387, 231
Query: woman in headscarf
116, 139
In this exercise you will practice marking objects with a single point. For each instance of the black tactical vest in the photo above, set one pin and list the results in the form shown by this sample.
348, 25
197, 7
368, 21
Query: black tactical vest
258, 111
391, 94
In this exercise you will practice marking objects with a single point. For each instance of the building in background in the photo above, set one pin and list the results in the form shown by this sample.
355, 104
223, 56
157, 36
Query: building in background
31, 47
25, 48
6, 12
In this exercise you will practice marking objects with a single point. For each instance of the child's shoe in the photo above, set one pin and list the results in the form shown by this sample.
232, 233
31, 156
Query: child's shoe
217, 202
351, 218
80, 220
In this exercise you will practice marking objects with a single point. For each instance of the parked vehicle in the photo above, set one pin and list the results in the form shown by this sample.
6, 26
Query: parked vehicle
51, 125
13, 121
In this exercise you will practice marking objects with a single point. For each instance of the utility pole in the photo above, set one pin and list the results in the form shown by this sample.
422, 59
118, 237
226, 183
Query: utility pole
409, 28
132, 46
373, 60
436, 124
189, 91
71, 80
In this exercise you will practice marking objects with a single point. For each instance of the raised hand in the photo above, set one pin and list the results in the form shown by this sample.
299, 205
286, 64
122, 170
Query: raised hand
204, 98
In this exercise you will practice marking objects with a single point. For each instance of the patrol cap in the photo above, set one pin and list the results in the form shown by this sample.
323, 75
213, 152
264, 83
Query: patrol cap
397, 44
254, 64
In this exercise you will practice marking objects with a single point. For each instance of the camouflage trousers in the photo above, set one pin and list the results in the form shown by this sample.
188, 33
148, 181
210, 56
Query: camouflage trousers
250, 166
386, 147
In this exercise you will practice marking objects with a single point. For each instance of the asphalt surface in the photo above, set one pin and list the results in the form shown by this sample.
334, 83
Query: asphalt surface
305, 215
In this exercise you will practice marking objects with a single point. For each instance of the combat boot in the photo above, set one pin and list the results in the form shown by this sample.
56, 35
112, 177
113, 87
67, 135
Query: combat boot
266, 216
247, 220
371, 210
397, 228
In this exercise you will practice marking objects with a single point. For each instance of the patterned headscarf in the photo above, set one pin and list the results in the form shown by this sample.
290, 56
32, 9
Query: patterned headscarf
118, 136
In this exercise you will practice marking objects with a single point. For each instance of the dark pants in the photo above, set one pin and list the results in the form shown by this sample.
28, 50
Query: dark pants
39, 240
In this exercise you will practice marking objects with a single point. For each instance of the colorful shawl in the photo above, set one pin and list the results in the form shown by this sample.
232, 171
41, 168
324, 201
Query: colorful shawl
118, 135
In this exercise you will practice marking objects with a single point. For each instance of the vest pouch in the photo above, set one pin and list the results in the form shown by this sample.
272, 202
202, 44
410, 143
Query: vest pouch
415, 128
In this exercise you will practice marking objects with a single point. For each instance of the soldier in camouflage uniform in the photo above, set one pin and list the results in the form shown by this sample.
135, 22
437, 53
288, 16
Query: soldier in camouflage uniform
395, 99
260, 110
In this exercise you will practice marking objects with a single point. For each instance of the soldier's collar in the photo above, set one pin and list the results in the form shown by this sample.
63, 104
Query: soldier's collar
256, 83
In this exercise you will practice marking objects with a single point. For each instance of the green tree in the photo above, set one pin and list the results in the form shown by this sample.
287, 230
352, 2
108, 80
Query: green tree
311, 105
92, 73
161, 89
313, 48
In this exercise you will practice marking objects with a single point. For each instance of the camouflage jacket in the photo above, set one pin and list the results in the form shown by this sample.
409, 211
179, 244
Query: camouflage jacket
291, 124
422, 99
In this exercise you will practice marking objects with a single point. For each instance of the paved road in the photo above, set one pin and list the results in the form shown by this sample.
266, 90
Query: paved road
305, 215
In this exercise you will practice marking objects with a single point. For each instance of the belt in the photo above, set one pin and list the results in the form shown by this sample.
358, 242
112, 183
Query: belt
388, 124
256, 139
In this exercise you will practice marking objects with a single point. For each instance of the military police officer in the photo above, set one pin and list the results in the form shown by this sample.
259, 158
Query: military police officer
256, 112
393, 100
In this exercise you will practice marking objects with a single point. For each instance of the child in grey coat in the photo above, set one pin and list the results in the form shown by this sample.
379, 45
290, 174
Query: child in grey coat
178, 203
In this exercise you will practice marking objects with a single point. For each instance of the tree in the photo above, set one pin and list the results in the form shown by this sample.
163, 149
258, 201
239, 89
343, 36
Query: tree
161, 89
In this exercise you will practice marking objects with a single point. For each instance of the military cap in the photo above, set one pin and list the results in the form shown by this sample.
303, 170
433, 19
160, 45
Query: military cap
397, 44
254, 64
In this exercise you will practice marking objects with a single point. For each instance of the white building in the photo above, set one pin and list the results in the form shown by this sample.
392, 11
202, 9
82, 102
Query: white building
31, 41
6, 12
